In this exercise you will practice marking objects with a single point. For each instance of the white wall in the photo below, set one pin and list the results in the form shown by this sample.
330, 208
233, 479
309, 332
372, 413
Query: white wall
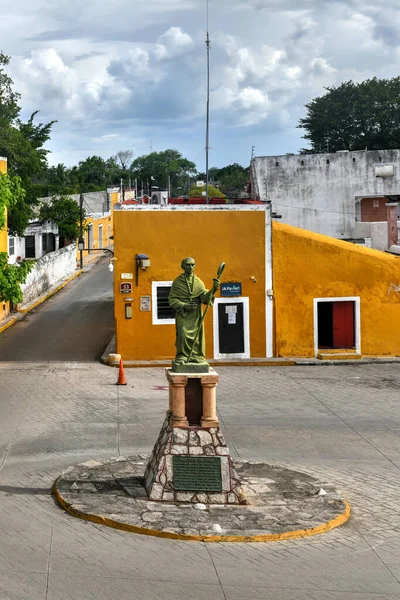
319, 196
49, 270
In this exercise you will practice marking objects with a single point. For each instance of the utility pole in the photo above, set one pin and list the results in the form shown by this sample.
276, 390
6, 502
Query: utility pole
208, 106
81, 229
252, 152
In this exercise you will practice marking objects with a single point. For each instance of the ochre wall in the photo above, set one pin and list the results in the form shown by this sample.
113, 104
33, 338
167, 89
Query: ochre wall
105, 221
211, 237
4, 306
307, 265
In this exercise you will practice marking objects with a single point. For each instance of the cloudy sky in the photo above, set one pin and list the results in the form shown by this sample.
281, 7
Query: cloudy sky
131, 74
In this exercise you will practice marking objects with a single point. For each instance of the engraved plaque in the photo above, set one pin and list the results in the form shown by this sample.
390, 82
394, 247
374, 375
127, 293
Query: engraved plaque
197, 473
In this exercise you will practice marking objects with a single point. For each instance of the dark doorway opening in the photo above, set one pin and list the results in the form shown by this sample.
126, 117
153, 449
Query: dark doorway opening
30, 246
325, 324
336, 324
194, 401
231, 328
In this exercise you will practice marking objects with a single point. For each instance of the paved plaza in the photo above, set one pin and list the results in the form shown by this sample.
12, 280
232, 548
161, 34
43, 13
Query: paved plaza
340, 422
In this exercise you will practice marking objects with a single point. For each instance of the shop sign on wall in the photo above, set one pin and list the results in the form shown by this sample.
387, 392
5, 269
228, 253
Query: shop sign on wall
125, 287
145, 304
231, 288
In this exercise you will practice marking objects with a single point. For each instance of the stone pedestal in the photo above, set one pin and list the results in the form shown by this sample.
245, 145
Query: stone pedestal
186, 398
190, 461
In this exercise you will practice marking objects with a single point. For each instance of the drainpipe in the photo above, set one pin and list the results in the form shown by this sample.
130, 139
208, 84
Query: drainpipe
392, 223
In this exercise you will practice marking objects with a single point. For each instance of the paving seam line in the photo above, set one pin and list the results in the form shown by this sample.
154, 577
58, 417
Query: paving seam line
273, 537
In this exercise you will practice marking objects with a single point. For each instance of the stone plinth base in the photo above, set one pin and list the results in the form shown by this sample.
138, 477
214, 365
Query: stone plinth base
192, 398
190, 442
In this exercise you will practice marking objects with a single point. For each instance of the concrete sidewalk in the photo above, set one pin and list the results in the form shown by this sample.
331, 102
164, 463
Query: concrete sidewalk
111, 359
340, 424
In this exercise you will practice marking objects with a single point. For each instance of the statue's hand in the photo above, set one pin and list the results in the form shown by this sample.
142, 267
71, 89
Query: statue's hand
216, 285
190, 306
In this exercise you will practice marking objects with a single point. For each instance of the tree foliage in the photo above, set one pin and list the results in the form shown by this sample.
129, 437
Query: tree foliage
155, 169
355, 116
65, 212
213, 192
22, 144
12, 198
232, 179
11, 277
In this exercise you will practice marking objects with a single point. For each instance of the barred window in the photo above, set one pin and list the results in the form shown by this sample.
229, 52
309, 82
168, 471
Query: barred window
162, 312
11, 246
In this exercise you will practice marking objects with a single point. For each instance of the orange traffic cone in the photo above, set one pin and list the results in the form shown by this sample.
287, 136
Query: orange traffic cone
121, 376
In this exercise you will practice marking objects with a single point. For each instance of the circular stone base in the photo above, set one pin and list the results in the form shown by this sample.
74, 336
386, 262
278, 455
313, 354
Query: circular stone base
282, 503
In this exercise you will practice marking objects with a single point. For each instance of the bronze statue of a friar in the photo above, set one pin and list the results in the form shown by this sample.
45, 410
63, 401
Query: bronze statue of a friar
187, 295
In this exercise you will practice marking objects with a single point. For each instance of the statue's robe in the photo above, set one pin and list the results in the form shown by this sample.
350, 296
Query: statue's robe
188, 322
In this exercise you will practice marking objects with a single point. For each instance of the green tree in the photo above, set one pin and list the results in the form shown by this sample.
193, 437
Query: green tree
355, 116
63, 211
22, 144
9, 108
157, 168
213, 192
232, 179
11, 194
11, 277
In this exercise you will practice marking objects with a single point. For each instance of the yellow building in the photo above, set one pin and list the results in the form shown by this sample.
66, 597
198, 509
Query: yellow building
100, 229
332, 295
233, 234
4, 306
286, 292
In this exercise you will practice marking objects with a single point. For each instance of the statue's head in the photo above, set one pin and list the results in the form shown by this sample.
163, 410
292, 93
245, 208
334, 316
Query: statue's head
188, 265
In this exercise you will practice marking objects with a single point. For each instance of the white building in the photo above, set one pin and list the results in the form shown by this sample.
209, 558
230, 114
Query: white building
342, 194
40, 238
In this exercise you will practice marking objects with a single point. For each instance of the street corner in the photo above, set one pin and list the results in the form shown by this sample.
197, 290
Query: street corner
281, 503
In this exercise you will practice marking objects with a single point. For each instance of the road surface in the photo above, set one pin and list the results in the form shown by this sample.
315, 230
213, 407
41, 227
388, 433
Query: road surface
76, 324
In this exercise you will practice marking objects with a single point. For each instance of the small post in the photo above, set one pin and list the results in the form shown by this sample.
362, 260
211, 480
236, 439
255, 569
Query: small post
81, 228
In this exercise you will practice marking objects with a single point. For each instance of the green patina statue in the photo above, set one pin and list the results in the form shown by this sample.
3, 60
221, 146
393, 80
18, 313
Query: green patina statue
187, 295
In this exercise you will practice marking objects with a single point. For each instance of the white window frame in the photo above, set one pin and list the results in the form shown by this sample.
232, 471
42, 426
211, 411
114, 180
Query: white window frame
155, 319
246, 326
13, 246
357, 319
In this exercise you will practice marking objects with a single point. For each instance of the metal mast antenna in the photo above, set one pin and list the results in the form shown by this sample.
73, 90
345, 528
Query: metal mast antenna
208, 105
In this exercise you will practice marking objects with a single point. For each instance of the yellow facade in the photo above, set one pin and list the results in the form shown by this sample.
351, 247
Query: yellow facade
4, 306
236, 237
307, 265
101, 229
307, 269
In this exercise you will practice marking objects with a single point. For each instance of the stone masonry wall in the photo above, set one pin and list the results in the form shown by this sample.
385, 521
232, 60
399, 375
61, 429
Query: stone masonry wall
193, 441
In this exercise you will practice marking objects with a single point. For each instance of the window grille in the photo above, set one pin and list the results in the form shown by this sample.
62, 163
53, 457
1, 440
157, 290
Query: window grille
162, 312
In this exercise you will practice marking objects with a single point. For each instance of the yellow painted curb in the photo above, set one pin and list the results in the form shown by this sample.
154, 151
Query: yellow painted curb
57, 289
162, 364
271, 537
7, 325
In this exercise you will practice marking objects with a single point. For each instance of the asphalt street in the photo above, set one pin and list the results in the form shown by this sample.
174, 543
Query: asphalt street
75, 324
341, 423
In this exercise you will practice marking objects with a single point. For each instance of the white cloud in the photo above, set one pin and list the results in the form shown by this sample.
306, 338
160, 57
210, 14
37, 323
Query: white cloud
140, 67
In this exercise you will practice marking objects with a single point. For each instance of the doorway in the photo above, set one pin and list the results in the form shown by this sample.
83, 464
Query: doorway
231, 328
337, 323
